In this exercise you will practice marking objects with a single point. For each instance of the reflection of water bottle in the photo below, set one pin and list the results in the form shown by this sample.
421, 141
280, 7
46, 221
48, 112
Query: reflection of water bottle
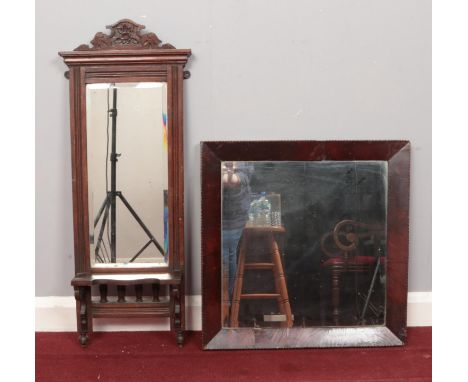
276, 219
253, 211
264, 210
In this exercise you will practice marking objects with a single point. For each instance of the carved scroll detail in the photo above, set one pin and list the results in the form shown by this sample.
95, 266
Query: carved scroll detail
125, 34
352, 238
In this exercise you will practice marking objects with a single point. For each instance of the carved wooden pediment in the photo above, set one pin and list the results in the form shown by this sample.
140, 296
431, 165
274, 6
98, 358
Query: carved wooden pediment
125, 34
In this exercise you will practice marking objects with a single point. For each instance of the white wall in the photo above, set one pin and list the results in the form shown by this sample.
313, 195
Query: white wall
261, 69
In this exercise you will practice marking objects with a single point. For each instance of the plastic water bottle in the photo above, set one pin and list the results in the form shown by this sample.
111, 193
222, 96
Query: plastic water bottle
253, 211
276, 219
264, 210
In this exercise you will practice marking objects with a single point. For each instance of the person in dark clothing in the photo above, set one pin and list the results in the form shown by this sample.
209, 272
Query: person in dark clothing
236, 201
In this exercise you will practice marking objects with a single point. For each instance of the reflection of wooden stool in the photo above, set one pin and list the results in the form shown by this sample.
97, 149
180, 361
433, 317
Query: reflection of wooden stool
265, 234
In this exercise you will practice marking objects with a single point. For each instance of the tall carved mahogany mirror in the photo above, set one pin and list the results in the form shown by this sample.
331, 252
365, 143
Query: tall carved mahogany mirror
126, 118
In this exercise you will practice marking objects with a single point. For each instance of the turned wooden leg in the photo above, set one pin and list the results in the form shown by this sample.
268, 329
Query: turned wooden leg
155, 288
180, 338
120, 293
181, 332
83, 313
234, 319
139, 293
335, 294
103, 293
225, 297
280, 283
323, 314
176, 314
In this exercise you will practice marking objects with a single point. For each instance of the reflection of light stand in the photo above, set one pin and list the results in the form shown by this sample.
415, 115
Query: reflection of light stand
109, 202
367, 302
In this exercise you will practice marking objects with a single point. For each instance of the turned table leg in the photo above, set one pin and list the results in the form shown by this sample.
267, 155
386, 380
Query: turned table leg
83, 313
177, 311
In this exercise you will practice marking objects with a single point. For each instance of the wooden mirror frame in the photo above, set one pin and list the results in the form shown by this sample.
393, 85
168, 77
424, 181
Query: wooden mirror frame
127, 55
393, 332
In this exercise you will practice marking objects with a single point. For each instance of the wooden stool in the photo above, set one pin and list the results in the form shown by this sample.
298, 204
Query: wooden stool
267, 235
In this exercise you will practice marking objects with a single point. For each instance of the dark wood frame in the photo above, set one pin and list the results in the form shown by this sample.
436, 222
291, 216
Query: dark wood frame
393, 332
127, 55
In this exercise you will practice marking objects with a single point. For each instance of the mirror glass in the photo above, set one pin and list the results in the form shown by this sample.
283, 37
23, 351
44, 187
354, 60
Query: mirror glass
303, 243
127, 161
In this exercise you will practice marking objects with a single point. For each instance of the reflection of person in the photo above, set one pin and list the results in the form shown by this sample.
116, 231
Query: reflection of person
236, 202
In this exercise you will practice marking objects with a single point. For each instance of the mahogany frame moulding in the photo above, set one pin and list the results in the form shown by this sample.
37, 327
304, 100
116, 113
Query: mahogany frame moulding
127, 55
393, 332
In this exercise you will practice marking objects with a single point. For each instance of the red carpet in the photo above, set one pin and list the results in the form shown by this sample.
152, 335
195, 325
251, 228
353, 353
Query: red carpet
153, 356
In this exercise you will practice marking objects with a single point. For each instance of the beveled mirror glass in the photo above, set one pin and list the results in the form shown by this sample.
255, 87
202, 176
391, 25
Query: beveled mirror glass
303, 243
127, 161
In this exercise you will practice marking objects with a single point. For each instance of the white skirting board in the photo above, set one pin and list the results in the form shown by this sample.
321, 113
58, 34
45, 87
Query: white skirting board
57, 314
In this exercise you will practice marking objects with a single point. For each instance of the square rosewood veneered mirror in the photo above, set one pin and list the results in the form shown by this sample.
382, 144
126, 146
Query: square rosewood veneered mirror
305, 244
126, 114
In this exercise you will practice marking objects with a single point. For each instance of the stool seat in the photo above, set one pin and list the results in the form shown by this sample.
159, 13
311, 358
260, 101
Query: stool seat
354, 260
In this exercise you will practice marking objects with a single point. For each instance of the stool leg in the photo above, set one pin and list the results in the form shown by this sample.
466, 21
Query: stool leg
277, 274
280, 283
322, 299
335, 295
225, 297
238, 286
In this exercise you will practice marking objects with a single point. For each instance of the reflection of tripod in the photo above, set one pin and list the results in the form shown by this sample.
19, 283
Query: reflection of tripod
110, 205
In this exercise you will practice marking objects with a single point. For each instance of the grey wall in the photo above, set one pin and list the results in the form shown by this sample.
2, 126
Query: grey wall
263, 69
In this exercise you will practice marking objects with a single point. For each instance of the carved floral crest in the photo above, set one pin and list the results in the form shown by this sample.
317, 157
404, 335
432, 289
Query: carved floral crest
125, 34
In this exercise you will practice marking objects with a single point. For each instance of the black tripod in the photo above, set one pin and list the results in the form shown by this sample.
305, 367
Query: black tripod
109, 204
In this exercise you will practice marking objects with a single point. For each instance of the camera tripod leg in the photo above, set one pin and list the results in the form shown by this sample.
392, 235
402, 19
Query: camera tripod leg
140, 251
142, 225
369, 292
101, 230
101, 210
